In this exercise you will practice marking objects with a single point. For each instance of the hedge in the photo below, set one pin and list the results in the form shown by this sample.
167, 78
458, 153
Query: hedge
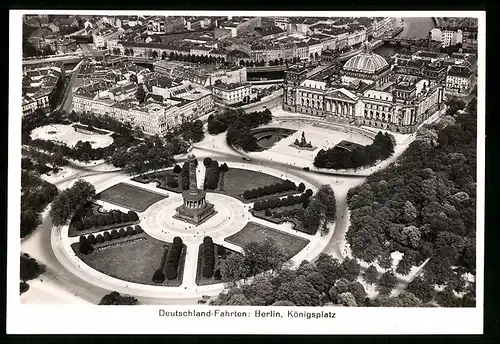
138, 229
177, 169
173, 256
109, 219
122, 233
208, 259
106, 236
171, 272
78, 225
117, 216
114, 234
99, 238
130, 231
207, 161
177, 240
158, 277
217, 274
101, 220
91, 239
301, 187
87, 223
124, 217
279, 202
132, 215
283, 186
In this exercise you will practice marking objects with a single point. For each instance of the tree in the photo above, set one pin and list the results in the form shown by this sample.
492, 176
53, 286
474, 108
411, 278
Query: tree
386, 283
84, 247
346, 299
301, 187
299, 291
385, 260
132, 215
30, 220
29, 268
133, 78
114, 298
207, 161
265, 255
158, 277
421, 288
233, 268
404, 266
312, 216
106, 236
340, 286
91, 239
326, 196
352, 268
371, 274
141, 94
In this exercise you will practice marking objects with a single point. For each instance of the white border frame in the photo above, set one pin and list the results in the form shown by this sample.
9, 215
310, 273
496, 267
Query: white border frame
145, 319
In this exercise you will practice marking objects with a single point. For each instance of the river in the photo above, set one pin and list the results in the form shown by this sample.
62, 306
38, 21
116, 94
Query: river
413, 27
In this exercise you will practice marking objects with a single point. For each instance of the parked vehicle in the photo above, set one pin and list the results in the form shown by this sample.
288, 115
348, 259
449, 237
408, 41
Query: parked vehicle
305, 168
246, 158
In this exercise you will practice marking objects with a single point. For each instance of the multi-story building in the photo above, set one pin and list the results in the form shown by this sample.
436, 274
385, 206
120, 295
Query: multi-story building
200, 98
460, 81
469, 39
382, 26
366, 93
197, 23
201, 75
232, 93
41, 87
447, 36
152, 118
282, 22
101, 37
156, 25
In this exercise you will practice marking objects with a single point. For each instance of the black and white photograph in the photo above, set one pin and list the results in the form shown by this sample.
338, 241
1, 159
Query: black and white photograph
296, 170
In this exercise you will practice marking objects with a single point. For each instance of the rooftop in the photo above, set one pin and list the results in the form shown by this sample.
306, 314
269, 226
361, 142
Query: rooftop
231, 86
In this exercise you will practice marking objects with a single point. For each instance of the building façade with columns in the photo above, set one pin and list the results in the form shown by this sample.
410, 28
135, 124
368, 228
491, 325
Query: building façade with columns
367, 91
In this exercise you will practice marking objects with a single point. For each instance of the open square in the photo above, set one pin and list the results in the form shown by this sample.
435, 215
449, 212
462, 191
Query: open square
130, 196
69, 136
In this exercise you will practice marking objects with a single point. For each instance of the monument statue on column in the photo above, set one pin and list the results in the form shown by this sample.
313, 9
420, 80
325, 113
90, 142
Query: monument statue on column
195, 208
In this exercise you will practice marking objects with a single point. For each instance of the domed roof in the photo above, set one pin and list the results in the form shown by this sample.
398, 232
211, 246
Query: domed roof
365, 62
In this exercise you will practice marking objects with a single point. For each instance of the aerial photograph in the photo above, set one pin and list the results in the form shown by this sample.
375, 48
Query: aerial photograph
248, 160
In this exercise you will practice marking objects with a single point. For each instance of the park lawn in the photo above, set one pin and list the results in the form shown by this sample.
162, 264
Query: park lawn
134, 261
237, 180
257, 232
129, 196
200, 280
